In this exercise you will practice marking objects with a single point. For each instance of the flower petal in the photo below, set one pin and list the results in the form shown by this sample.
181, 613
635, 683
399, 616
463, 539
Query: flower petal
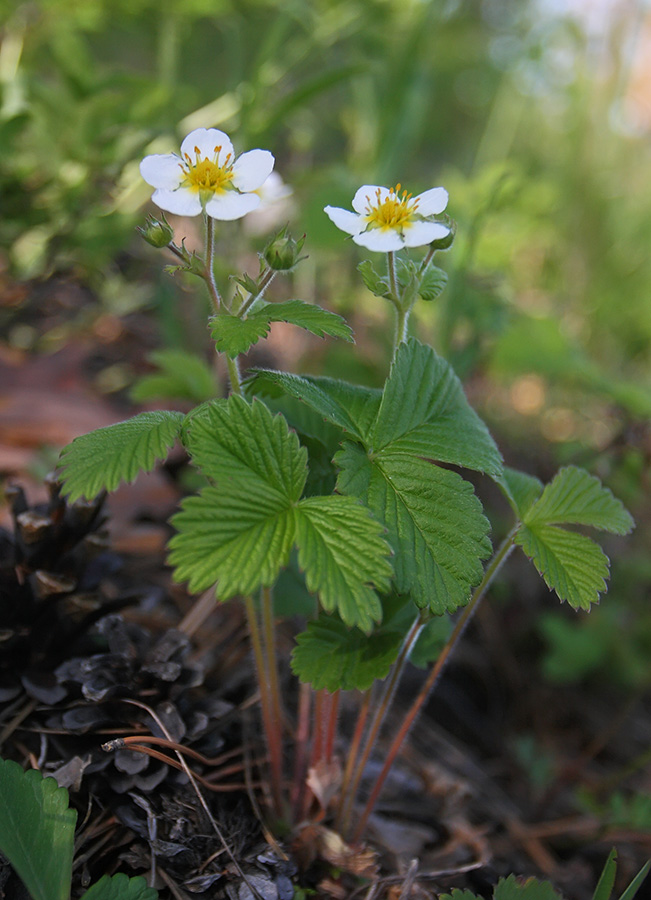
380, 239
432, 202
182, 202
205, 140
252, 169
368, 192
420, 233
162, 170
348, 221
231, 205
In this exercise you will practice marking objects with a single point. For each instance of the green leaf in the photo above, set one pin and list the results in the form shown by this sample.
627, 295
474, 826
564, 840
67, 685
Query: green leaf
120, 887
238, 534
637, 882
36, 831
180, 376
576, 497
513, 888
520, 489
349, 406
102, 459
330, 656
431, 641
342, 553
606, 881
571, 564
457, 894
424, 412
236, 439
234, 335
227, 537
434, 522
433, 283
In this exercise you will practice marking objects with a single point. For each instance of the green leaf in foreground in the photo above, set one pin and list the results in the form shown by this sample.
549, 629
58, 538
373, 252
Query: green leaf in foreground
120, 887
513, 888
434, 521
179, 376
238, 532
36, 831
571, 564
330, 656
342, 553
101, 459
234, 335
520, 489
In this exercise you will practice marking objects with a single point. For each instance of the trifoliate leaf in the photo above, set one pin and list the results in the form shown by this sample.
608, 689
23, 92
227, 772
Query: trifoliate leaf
578, 498
513, 888
101, 459
571, 564
333, 657
234, 335
342, 553
520, 489
180, 376
349, 406
434, 522
424, 412
304, 420
239, 532
37, 831
120, 887
433, 283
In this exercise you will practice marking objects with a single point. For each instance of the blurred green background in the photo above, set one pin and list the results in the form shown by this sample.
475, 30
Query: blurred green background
535, 115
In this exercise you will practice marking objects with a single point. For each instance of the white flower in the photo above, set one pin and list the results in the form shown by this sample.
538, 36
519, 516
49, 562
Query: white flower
386, 219
275, 206
207, 176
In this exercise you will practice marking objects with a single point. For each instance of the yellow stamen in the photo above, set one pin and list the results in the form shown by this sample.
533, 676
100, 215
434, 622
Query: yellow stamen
207, 174
395, 211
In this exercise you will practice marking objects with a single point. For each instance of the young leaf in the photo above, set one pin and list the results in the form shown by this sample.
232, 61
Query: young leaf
433, 283
333, 657
180, 376
36, 831
376, 283
342, 553
120, 887
101, 459
520, 489
513, 888
239, 533
578, 498
571, 564
349, 406
434, 522
424, 412
233, 335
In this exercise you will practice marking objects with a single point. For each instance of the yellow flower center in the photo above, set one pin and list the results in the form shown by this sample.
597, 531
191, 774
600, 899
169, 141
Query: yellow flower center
206, 174
395, 211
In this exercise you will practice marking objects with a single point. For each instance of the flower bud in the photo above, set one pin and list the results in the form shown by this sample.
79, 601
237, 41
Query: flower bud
281, 253
158, 234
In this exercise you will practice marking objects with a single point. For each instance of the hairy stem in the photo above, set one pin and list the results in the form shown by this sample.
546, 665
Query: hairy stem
379, 716
210, 264
301, 749
271, 729
353, 753
493, 568
234, 375
402, 309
